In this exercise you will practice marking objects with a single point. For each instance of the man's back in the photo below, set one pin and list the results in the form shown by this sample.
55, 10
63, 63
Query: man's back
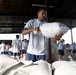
16, 45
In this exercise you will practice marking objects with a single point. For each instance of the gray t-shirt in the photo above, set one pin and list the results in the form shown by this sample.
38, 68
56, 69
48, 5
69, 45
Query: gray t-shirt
37, 41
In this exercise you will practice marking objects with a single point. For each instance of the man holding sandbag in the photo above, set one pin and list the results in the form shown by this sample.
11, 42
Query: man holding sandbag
36, 48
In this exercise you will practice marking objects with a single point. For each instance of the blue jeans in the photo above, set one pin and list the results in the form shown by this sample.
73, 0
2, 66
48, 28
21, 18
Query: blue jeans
35, 57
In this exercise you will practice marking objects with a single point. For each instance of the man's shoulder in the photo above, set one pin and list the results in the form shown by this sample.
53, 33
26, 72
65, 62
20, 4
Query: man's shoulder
32, 20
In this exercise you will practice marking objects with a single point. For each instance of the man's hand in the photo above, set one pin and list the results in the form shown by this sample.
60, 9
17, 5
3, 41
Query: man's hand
36, 29
57, 37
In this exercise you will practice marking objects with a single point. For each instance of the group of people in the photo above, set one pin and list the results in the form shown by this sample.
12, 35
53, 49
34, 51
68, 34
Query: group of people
70, 49
17, 49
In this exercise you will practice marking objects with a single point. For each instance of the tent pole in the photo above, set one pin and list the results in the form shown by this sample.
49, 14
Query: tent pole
49, 40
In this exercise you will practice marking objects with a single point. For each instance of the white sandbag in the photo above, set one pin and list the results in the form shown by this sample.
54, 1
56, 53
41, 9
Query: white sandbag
20, 73
13, 70
37, 68
6, 62
65, 70
57, 64
49, 30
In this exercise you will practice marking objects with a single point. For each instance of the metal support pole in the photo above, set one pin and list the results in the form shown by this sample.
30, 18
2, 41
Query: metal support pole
49, 40
71, 36
71, 31
22, 37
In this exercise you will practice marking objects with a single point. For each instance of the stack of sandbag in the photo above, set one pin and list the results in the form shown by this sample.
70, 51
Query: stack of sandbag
37, 68
64, 67
50, 30
6, 63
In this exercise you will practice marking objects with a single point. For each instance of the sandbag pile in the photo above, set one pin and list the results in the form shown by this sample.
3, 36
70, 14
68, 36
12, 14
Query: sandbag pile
64, 68
37, 68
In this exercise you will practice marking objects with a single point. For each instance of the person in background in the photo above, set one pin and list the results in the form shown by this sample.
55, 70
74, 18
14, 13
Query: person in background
68, 48
2, 48
69, 51
16, 47
36, 47
10, 51
73, 48
61, 49
6, 48
24, 47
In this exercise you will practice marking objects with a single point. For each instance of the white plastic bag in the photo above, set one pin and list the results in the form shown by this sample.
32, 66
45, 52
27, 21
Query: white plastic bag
49, 30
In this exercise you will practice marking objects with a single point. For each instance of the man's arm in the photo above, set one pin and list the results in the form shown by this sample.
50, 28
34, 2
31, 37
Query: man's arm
27, 30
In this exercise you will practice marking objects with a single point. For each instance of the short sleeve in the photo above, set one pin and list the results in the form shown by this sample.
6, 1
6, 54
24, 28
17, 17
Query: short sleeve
29, 24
